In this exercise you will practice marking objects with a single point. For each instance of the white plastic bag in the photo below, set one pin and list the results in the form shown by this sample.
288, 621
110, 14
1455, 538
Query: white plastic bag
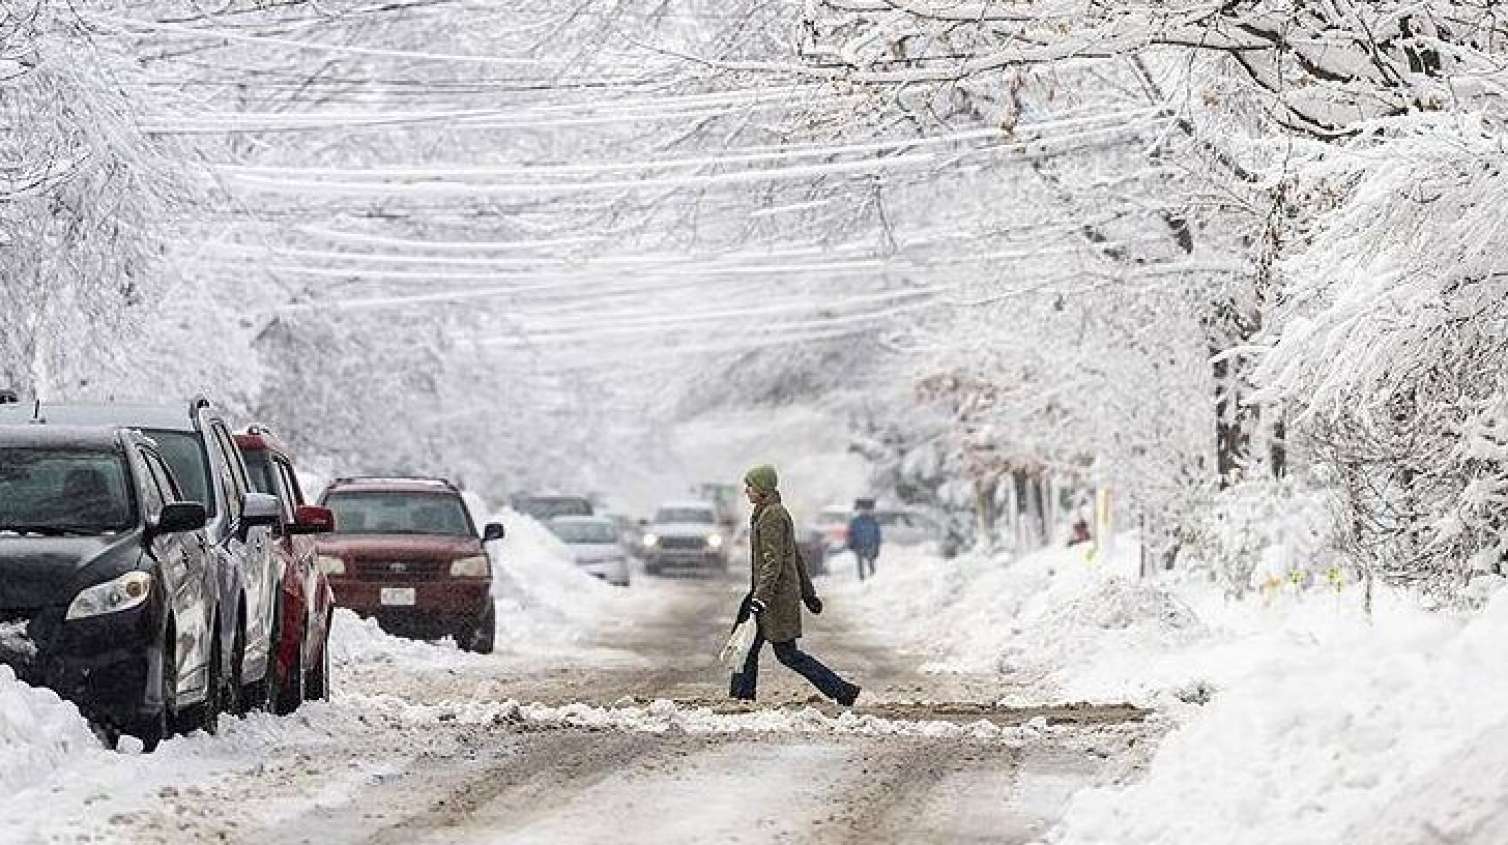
737, 650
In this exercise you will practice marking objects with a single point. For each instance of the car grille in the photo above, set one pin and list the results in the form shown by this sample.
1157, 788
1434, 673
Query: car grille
398, 570
696, 543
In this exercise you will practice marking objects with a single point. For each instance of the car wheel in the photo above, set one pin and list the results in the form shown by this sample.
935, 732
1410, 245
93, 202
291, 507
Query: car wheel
318, 686
291, 690
483, 634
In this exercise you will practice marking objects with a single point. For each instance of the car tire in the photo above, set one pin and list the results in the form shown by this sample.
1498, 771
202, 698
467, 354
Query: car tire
317, 688
482, 634
290, 693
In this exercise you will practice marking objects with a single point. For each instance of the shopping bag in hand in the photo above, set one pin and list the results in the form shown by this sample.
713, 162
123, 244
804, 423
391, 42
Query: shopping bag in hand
737, 650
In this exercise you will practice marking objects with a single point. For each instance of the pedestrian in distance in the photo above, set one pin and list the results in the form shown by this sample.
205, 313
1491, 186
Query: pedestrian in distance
864, 536
779, 587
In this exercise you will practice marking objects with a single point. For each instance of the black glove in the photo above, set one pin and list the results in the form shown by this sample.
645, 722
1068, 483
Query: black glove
813, 604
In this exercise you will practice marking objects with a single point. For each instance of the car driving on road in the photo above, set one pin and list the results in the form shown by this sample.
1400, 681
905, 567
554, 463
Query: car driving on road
546, 508
108, 591
594, 544
685, 536
302, 666
195, 441
406, 552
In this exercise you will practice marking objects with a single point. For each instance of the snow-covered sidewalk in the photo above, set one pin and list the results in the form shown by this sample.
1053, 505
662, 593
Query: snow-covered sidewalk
1296, 718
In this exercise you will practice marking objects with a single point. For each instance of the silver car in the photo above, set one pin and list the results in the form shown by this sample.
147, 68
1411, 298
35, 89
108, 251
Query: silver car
594, 543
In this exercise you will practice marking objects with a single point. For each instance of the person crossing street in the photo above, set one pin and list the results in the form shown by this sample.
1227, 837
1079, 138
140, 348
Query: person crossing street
779, 587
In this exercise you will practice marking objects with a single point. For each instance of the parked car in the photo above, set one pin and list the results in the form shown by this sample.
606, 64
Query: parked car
406, 552
302, 663
195, 441
108, 588
594, 544
685, 536
907, 528
830, 528
546, 508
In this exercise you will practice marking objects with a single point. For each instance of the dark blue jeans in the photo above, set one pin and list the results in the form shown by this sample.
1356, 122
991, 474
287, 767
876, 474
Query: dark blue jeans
824, 679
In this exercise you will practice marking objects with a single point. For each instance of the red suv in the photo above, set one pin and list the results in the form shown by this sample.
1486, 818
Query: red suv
407, 552
306, 601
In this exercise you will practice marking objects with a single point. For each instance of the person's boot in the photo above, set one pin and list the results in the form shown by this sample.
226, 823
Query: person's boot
849, 695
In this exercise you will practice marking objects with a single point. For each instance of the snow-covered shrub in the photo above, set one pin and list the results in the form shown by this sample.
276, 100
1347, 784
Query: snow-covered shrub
1267, 533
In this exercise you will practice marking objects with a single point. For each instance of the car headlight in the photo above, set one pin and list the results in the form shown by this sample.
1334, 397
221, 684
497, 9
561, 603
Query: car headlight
714, 541
331, 564
475, 566
123, 593
651, 540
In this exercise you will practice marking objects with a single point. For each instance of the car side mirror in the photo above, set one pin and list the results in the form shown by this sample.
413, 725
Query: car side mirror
260, 509
312, 519
493, 531
179, 517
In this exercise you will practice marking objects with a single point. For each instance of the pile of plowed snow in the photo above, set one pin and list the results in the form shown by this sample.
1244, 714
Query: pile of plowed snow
1391, 732
542, 596
39, 732
1054, 624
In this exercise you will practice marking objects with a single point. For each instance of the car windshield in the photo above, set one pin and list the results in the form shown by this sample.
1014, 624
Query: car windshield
53, 491
685, 515
586, 532
378, 512
551, 507
184, 453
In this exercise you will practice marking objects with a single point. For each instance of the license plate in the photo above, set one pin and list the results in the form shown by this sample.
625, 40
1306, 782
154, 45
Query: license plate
399, 596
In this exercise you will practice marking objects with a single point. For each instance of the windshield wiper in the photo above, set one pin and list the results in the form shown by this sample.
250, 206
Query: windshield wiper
50, 530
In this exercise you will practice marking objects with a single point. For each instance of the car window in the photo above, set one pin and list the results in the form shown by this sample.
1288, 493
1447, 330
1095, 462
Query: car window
267, 477
290, 481
221, 461
383, 512
153, 494
60, 490
185, 454
586, 532
685, 515
233, 459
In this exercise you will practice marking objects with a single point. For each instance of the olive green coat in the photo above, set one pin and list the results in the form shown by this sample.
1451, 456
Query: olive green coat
779, 577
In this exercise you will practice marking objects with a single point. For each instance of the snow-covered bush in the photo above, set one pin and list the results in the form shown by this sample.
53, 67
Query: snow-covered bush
1266, 534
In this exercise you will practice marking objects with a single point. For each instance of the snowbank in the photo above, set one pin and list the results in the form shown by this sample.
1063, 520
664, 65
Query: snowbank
1054, 625
1389, 733
543, 597
39, 733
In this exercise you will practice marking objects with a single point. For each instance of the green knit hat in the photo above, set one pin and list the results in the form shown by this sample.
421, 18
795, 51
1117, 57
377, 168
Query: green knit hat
762, 478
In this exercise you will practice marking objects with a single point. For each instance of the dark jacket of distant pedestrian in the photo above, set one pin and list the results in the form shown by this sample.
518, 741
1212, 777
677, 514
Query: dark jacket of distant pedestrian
864, 535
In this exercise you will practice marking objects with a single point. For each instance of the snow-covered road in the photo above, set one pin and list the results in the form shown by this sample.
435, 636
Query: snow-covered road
622, 737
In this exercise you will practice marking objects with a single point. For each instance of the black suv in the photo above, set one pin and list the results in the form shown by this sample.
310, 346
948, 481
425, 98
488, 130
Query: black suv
198, 447
107, 590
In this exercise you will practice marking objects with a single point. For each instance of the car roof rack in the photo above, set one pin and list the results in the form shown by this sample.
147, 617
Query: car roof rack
396, 479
